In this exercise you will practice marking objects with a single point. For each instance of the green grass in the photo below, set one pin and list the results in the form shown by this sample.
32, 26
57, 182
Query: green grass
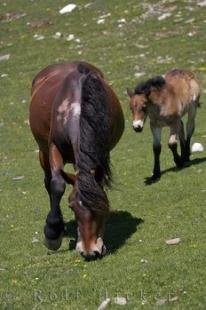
140, 265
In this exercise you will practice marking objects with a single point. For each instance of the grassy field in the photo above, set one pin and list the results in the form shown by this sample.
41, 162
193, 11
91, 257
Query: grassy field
129, 40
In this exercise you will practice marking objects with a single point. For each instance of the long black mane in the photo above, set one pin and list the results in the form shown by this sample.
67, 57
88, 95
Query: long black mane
93, 161
145, 87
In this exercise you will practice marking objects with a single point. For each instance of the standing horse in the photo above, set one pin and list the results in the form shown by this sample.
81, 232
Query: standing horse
76, 118
165, 101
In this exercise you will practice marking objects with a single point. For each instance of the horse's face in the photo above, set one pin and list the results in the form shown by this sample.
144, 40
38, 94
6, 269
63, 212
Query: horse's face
139, 110
90, 229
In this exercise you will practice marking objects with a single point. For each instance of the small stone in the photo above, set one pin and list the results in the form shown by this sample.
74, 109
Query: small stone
38, 37
202, 3
120, 301
104, 304
17, 178
100, 21
173, 241
172, 299
161, 302
70, 37
4, 57
197, 147
57, 35
164, 16
68, 8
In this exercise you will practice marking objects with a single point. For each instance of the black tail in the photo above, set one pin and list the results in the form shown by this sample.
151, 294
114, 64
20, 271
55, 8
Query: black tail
93, 162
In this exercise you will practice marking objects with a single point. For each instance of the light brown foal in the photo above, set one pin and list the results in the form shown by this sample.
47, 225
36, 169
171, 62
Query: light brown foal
166, 101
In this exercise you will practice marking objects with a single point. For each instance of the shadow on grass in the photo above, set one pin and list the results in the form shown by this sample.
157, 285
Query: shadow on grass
119, 227
195, 161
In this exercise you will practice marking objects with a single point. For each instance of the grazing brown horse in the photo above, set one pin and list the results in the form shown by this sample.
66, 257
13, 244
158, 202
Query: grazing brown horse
76, 118
165, 101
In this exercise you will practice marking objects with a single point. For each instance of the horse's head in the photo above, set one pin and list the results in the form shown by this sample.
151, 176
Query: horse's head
138, 106
90, 227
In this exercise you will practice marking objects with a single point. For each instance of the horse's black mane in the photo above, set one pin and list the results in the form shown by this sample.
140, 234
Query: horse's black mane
93, 159
145, 87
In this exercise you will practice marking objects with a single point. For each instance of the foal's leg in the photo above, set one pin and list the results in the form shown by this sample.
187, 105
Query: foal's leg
54, 228
156, 132
182, 141
190, 130
174, 130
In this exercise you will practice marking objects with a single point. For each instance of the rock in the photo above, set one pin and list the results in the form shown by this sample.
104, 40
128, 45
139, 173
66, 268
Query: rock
202, 3
4, 57
104, 304
100, 21
17, 178
68, 8
197, 147
164, 16
173, 241
38, 37
70, 37
161, 302
120, 301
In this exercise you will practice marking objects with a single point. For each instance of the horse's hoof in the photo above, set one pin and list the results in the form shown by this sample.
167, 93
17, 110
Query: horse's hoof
180, 164
154, 178
53, 244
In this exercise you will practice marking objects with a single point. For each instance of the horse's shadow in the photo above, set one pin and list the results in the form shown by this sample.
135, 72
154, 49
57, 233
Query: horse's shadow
119, 227
195, 161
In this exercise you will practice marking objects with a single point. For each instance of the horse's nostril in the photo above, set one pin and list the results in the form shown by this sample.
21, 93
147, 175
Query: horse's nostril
138, 128
91, 255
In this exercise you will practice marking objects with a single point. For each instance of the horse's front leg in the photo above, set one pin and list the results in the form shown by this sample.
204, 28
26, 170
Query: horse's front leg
174, 131
54, 228
156, 132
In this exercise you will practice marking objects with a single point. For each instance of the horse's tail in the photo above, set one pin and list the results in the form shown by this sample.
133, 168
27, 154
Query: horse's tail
93, 159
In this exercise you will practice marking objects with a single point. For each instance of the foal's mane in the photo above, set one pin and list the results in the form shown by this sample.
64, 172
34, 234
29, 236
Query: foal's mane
145, 87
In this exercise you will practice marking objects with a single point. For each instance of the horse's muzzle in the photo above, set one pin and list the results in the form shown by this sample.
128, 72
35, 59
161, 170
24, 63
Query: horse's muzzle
138, 128
93, 255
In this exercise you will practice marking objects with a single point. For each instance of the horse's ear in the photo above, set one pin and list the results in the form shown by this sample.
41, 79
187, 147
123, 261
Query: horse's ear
130, 93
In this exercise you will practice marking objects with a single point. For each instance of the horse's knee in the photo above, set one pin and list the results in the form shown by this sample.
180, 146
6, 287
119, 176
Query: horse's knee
57, 185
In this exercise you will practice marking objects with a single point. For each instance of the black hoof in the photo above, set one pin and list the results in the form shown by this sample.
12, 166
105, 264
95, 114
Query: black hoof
154, 178
53, 244
179, 163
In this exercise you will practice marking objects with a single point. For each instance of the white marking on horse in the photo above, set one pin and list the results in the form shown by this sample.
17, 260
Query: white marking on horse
63, 106
75, 108
173, 139
67, 108
194, 97
138, 123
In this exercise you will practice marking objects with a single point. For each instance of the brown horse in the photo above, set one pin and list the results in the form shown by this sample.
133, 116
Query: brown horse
76, 118
166, 101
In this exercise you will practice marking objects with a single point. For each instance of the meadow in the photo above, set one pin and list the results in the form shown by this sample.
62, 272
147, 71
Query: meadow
129, 41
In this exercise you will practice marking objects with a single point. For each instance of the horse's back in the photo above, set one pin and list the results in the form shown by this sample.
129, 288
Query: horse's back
184, 83
46, 88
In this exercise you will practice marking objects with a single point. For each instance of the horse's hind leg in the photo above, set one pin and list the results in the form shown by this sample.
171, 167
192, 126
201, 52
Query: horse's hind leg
182, 141
190, 129
55, 185
174, 131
